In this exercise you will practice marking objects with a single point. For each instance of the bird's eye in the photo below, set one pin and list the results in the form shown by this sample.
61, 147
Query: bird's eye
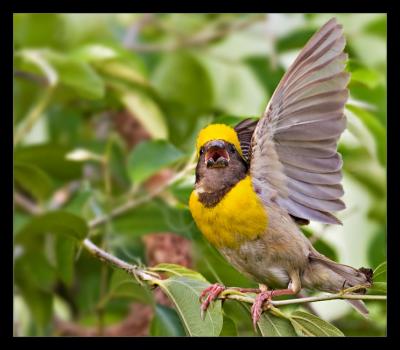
232, 148
201, 150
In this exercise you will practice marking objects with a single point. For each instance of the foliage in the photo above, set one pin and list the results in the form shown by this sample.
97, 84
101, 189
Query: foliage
172, 74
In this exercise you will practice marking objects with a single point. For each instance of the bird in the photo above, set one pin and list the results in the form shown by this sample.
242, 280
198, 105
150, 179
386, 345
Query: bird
258, 182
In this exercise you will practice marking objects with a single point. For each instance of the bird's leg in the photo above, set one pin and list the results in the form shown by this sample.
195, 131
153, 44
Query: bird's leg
257, 307
212, 293
266, 295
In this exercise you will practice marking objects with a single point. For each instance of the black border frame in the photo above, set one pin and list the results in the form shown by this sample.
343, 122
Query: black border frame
393, 175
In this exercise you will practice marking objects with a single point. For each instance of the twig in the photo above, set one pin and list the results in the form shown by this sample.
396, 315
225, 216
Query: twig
197, 40
33, 116
133, 30
133, 203
246, 299
153, 280
118, 263
32, 208
27, 204
31, 77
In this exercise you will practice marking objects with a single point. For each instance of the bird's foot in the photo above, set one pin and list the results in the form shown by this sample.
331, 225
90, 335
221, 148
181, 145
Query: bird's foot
267, 295
212, 293
209, 294
257, 307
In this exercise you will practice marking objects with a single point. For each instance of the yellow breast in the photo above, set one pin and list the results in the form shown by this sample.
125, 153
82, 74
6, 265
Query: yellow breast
240, 215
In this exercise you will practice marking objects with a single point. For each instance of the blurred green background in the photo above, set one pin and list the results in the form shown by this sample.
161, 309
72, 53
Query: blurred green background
107, 108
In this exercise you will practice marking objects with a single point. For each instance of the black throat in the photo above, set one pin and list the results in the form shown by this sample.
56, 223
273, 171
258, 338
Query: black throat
215, 183
211, 199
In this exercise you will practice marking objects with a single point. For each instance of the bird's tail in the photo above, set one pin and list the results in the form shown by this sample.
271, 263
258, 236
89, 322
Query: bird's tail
332, 277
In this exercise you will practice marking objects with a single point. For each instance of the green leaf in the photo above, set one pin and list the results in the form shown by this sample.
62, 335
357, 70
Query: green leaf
178, 270
378, 287
274, 326
117, 162
375, 127
38, 30
65, 257
239, 313
51, 159
33, 268
35, 279
380, 272
184, 83
294, 40
311, 325
369, 174
113, 60
185, 293
25, 94
87, 291
237, 89
182, 190
19, 220
146, 110
123, 285
57, 222
151, 156
265, 72
166, 323
229, 328
94, 53
377, 212
40, 305
377, 27
369, 77
33, 180
376, 97
79, 76
155, 216
123, 71
79, 201
377, 248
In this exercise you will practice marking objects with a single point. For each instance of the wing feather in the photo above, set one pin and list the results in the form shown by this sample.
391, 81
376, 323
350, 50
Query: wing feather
245, 131
293, 149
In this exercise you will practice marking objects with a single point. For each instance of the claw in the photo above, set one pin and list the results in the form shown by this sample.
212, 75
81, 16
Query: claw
212, 292
257, 307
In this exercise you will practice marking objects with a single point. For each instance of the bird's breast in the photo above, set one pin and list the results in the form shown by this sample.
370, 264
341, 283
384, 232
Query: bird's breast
239, 216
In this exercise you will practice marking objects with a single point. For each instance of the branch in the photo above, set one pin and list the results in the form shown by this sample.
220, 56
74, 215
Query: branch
38, 79
26, 204
197, 40
134, 202
150, 277
153, 280
246, 299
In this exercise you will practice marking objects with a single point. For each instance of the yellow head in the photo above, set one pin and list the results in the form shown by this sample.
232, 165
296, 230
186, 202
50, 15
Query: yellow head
218, 132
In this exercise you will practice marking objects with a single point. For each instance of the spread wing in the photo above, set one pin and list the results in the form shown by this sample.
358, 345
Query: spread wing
294, 156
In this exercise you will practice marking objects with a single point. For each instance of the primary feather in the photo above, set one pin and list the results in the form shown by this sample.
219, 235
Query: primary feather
293, 147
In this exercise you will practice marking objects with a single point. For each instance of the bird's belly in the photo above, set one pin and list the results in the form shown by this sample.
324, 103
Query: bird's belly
254, 260
239, 216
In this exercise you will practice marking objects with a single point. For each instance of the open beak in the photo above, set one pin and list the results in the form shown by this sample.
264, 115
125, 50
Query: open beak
216, 155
